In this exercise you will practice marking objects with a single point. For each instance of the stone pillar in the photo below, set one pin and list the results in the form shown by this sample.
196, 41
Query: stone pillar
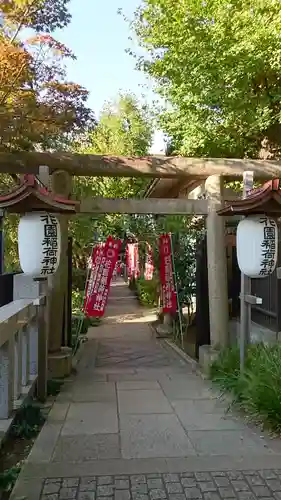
217, 265
59, 360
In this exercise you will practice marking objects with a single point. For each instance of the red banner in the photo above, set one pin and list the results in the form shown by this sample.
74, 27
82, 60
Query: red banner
104, 266
136, 261
95, 261
149, 267
169, 297
130, 260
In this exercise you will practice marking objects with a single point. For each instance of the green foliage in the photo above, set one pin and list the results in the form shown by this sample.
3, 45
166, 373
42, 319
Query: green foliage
258, 389
77, 301
148, 291
124, 129
8, 478
217, 64
28, 421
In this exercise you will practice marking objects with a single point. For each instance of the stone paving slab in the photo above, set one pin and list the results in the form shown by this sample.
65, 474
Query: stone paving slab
137, 385
81, 448
90, 391
194, 388
146, 436
216, 485
91, 418
143, 401
236, 442
193, 418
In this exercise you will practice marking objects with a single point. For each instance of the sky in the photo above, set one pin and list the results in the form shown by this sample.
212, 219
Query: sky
99, 37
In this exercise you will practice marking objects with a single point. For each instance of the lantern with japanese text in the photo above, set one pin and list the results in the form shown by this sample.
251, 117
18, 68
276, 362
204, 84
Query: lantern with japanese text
257, 244
39, 243
39, 235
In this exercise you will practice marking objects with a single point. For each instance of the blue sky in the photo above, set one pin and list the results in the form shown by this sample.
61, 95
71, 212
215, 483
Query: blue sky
99, 37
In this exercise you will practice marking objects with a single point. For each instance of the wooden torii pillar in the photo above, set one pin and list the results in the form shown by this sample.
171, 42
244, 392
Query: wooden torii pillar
217, 264
60, 356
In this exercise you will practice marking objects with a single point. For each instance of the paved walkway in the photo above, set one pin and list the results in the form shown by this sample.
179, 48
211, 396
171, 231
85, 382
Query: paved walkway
140, 424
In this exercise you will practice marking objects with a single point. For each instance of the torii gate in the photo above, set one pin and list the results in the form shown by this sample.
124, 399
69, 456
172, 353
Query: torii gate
64, 165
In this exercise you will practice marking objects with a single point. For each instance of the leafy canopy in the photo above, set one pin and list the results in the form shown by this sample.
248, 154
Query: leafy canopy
124, 129
218, 63
39, 108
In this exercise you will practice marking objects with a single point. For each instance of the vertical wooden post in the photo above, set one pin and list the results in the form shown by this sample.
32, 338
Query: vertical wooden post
60, 185
43, 329
245, 309
217, 267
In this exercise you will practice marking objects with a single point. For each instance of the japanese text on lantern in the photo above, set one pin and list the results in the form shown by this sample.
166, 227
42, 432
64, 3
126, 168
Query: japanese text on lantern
49, 244
268, 246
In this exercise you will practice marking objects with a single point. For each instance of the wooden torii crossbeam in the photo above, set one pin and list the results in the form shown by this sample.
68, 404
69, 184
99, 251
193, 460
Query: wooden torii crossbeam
156, 206
150, 166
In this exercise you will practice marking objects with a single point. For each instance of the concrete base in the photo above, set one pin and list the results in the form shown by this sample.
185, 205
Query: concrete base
207, 354
60, 363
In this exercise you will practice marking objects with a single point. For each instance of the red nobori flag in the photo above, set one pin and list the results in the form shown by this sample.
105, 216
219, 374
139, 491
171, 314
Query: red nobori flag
95, 261
130, 259
169, 297
149, 267
136, 261
104, 270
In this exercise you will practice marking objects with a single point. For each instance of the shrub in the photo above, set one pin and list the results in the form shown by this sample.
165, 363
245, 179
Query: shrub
28, 421
258, 389
148, 291
77, 301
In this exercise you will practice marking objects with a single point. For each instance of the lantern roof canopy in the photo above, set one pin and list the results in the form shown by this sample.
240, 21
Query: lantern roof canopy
263, 200
32, 196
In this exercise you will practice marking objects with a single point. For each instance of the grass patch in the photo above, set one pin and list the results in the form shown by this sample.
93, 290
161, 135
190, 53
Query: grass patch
257, 391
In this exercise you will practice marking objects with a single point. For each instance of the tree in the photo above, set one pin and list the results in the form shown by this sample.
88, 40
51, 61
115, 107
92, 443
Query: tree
218, 63
124, 129
39, 108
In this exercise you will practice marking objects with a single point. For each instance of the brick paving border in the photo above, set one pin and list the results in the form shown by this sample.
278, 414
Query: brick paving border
239, 485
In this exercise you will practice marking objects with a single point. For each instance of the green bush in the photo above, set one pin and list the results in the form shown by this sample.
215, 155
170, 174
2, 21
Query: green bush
258, 389
8, 479
28, 421
77, 297
148, 291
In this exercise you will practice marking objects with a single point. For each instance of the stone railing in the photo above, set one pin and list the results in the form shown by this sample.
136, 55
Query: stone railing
20, 323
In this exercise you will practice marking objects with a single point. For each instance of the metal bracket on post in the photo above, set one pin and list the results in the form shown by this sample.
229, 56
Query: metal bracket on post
252, 299
245, 307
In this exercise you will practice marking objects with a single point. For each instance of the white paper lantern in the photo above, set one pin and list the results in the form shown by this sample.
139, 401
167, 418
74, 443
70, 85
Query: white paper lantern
39, 242
257, 244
